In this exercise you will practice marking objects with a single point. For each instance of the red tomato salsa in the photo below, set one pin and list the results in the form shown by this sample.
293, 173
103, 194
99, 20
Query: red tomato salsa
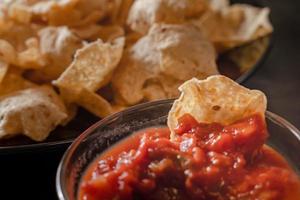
204, 161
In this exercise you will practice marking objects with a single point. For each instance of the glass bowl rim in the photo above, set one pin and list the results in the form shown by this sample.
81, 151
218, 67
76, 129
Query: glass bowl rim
61, 190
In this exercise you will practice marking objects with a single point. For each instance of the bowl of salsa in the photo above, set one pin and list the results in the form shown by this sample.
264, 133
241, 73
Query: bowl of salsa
136, 159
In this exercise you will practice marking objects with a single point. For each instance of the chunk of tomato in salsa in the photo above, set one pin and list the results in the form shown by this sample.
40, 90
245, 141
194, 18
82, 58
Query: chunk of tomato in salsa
204, 162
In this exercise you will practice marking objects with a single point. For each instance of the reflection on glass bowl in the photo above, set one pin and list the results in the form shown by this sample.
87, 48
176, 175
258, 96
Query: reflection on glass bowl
284, 137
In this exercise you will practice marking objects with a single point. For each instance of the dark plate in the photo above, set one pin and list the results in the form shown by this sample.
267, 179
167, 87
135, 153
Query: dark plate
238, 64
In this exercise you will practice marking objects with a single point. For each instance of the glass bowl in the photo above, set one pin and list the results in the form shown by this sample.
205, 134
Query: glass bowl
284, 137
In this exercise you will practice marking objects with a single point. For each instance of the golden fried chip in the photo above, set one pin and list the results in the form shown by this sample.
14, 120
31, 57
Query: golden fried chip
94, 103
154, 91
70, 12
115, 10
219, 5
58, 45
34, 112
40, 38
256, 22
118, 108
120, 11
170, 86
185, 52
132, 38
15, 70
110, 33
144, 13
167, 49
216, 99
164, 52
90, 7
91, 18
5, 25
13, 82
56, 12
17, 34
19, 13
7, 52
94, 32
92, 67
87, 32
231, 26
71, 109
246, 56
87, 99
3, 70
128, 80
32, 57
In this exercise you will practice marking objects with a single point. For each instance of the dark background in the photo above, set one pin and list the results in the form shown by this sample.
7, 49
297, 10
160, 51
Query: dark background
279, 77
32, 176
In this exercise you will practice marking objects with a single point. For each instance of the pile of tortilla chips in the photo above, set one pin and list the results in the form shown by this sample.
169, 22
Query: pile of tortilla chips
106, 55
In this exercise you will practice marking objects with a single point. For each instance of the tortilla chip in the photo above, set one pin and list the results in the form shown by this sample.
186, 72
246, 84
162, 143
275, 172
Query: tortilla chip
86, 7
216, 99
93, 17
33, 112
170, 86
19, 13
235, 25
94, 32
61, 15
256, 21
164, 52
17, 34
71, 109
246, 56
219, 5
92, 67
161, 87
185, 52
7, 52
56, 12
42, 76
154, 91
194, 8
132, 38
50, 40
15, 70
94, 103
3, 69
32, 57
167, 49
121, 10
144, 13
14, 82
118, 108
59, 44
87, 32
114, 10
110, 33
128, 81
70, 12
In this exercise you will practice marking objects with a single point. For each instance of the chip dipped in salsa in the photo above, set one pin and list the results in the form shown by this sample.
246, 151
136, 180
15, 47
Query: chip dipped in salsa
205, 161
214, 148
